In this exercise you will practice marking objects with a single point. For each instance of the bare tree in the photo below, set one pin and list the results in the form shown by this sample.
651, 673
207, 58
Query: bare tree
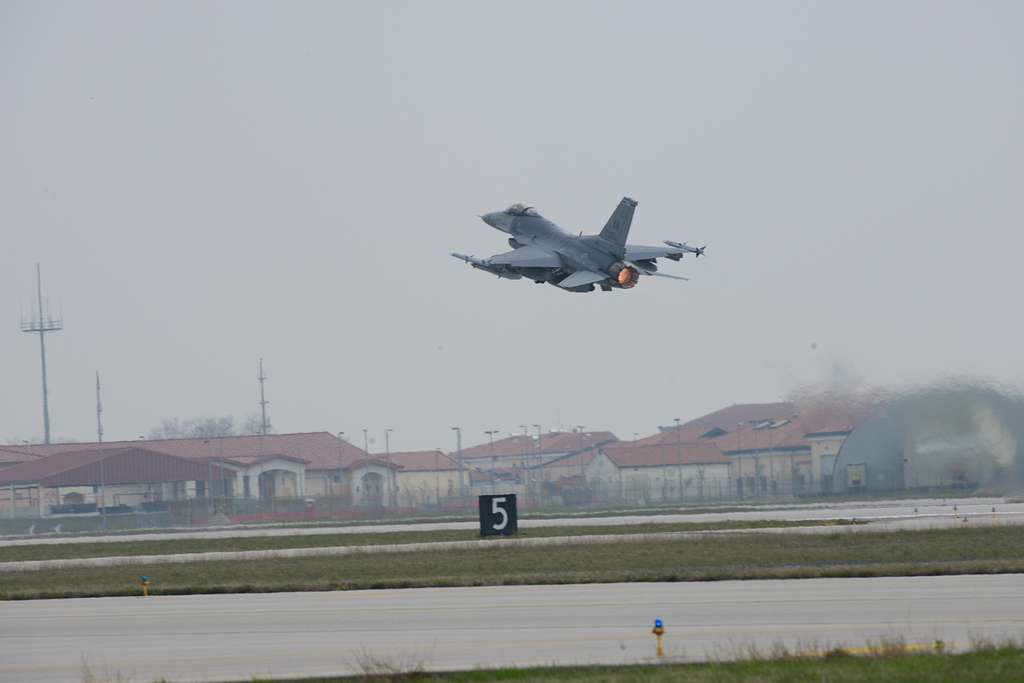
194, 428
253, 424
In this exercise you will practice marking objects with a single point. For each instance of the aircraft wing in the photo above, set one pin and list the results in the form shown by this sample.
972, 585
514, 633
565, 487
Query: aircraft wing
527, 257
636, 252
672, 250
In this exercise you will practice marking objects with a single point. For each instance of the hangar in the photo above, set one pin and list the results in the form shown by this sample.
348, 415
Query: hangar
104, 480
307, 463
956, 436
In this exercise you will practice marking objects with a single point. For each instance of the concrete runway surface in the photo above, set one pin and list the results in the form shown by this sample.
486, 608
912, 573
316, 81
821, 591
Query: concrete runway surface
220, 637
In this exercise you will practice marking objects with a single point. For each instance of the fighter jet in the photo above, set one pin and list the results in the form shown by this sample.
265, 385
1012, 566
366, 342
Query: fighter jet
543, 252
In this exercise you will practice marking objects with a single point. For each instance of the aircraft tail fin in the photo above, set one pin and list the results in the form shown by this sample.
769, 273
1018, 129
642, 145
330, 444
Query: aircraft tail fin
616, 230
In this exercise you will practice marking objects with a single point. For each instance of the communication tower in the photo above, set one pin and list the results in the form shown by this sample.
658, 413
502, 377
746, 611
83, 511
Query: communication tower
263, 401
99, 410
41, 325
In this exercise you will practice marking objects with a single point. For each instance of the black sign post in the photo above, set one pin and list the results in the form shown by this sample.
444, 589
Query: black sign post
498, 515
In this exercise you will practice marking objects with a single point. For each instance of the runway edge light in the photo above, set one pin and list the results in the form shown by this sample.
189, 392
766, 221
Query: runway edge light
145, 586
659, 631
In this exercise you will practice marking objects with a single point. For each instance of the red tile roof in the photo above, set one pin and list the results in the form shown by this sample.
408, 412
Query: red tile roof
656, 455
255, 459
368, 461
552, 442
671, 435
322, 450
761, 426
423, 461
580, 459
12, 456
764, 436
834, 419
727, 418
110, 466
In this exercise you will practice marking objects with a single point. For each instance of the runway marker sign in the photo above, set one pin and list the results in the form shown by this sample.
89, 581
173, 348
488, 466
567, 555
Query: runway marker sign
498, 515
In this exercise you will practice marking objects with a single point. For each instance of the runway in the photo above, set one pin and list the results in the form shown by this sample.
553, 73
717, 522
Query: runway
221, 637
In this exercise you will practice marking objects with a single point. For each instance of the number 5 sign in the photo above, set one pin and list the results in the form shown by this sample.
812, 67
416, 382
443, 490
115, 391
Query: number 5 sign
498, 515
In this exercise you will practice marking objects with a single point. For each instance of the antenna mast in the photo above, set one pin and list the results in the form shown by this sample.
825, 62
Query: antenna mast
263, 401
41, 325
99, 410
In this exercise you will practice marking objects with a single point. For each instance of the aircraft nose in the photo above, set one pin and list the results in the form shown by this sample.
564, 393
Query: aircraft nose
493, 219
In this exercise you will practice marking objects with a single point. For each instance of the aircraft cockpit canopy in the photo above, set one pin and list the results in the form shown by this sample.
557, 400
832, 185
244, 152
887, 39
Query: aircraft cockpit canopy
521, 210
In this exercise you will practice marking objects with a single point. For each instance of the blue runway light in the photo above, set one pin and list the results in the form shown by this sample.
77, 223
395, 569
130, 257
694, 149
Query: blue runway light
658, 624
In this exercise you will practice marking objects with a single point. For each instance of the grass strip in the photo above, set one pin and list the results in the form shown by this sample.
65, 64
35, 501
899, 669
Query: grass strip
741, 556
990, 665
60, 551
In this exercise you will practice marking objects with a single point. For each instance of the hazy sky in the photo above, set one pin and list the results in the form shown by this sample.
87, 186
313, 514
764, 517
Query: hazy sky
207, 183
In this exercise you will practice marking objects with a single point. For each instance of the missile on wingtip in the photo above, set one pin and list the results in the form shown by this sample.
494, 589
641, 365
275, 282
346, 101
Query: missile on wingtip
686, 248
486, 266
468, 259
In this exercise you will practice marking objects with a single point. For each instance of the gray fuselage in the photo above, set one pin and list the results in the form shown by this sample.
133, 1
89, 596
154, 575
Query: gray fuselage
579, 253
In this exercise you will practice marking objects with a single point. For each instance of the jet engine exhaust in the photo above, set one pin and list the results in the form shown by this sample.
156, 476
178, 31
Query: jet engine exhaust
625, 276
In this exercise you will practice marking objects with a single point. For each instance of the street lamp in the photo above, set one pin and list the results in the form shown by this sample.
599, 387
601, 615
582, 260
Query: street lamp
679, 454
458, 446
538, 458
387, 462
739, 460
491, 433
366, 443
579, 430
757, 465
341, 459
525, 458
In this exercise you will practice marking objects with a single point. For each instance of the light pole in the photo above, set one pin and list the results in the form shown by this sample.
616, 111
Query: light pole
537, 463
579, 430
366, 443
523, 462
491, 433
209, 479
679, 454
526, 442
387, 462
458, 447
437, 478
341, 459
757, 465
103, 497
539, 449
739, 460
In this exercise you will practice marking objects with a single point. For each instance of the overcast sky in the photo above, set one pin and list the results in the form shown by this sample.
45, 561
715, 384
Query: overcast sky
208, 183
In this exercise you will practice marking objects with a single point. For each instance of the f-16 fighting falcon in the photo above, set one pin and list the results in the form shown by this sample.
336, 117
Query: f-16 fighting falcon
543, 252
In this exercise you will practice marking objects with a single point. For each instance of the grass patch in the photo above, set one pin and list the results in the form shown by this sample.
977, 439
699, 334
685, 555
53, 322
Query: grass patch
1001, 664
739, 556
59, 551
